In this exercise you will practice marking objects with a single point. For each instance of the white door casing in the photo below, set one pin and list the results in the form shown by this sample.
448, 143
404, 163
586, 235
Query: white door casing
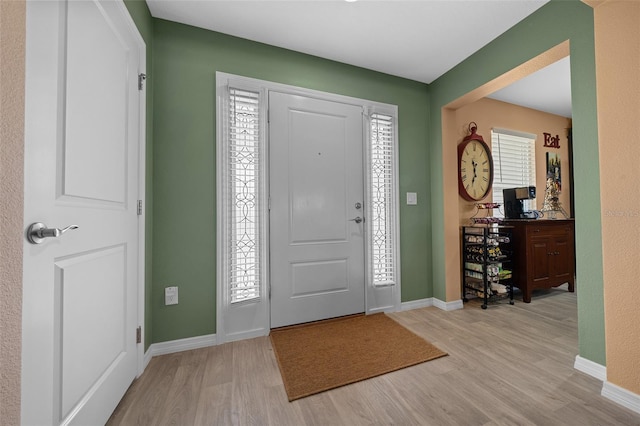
237, 321
84, 127
316, 190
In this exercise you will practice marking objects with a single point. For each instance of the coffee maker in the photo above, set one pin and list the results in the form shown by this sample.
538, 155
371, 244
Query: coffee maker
513, 206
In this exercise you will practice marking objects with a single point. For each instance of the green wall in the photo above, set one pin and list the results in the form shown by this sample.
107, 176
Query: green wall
552, 24
185, 60
143, 20
181, 65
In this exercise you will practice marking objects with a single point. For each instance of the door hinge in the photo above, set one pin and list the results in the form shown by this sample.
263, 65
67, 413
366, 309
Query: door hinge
139, 334
141, 78
139, 207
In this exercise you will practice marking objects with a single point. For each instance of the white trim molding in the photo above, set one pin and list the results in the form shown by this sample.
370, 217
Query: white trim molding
591, 368
142, 197
251, 318
432, 301
250, 315
146, 359
621, 396
448, 306
416, 304
180, 345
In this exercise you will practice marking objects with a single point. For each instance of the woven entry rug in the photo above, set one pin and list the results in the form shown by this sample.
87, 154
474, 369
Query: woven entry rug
328, 354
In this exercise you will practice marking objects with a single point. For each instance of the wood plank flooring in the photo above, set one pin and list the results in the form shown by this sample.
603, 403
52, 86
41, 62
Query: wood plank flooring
508, 365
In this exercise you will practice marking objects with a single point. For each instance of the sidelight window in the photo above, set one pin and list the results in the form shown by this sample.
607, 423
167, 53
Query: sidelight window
244, 204
382, 199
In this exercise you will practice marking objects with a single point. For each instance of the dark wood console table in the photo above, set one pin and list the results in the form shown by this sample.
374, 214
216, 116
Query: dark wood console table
544, 254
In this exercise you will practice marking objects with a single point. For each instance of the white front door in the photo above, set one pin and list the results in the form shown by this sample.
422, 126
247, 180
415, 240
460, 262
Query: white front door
82, 136
316, 192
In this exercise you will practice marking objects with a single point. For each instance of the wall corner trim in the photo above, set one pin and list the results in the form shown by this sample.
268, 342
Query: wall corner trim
432, 301
621, 396
448, 306
179, 345
416, 304
591, 368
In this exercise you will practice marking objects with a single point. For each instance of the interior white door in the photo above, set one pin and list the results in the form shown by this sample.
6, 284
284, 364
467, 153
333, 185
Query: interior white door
82, 136
316, 191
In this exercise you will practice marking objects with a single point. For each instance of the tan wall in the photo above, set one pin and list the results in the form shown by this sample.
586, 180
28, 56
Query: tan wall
12, 39
489, 113
617, 67
452, 134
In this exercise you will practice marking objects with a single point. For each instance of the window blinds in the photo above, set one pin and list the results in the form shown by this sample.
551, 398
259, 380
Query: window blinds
382, 200
244, 214
514, 162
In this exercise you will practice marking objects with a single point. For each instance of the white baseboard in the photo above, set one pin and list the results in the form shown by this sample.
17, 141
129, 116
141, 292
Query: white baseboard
591, 368
379, 310
180, 345
416, 304
147, 358
244, 335
610, 391
448, 306
621, 396
432, 301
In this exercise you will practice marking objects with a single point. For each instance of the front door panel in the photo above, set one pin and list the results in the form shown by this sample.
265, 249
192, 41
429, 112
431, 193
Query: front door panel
316, 180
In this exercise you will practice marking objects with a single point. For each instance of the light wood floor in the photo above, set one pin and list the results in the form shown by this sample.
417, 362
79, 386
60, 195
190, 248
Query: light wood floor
508, 365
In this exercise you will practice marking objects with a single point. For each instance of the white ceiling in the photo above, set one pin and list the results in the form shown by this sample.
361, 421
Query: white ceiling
547, 90
418, 40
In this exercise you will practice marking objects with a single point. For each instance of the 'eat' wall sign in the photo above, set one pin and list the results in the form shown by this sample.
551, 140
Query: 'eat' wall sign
551, 141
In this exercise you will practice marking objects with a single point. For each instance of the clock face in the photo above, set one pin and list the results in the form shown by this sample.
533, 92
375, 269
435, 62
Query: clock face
475, 170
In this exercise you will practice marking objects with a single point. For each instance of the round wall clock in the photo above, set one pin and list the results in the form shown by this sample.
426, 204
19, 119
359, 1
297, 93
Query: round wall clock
475, 166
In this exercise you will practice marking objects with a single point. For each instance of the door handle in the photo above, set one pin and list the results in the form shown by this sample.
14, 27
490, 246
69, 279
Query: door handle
38, 231
357, 219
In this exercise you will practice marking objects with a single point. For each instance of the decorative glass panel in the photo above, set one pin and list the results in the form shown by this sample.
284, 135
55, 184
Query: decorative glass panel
244, 217
382, 192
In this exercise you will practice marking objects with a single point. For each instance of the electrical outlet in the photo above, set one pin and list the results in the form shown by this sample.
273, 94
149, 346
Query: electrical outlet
412, 198
171, 295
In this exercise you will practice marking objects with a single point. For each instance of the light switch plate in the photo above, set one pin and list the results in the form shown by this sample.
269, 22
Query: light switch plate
412, 198
171, 295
